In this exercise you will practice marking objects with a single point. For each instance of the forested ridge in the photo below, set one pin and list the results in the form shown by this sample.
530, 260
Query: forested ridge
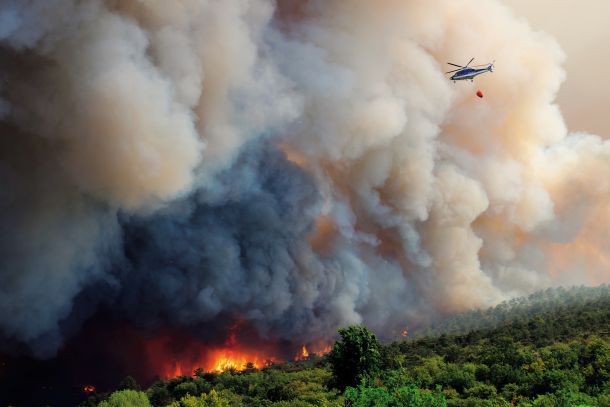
549, 349
547, 304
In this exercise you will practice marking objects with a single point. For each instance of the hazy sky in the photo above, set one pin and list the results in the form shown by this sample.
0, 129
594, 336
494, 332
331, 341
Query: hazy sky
582, 28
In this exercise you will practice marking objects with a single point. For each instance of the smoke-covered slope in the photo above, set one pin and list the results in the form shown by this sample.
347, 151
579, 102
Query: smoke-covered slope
549, 304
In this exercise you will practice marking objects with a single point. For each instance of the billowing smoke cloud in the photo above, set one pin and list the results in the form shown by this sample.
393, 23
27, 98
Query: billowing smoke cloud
300, 166
582, 98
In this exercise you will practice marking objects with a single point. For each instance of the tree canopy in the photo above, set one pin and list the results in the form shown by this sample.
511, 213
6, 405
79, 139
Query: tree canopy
354, 357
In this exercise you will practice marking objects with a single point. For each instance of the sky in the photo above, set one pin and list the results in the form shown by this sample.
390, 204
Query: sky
582, 29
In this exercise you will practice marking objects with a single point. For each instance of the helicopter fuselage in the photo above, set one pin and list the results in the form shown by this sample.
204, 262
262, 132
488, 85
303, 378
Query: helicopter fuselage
469, 73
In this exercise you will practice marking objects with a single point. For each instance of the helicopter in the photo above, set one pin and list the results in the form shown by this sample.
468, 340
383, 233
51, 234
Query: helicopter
466, 72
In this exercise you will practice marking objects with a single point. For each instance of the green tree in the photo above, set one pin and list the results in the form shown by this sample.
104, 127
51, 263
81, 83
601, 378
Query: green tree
510, 391
459, 377
596, 360
410, 395
481, 391
213, 399
355, 356
158, 394
364, 396
185, 388
129, 383
126, 398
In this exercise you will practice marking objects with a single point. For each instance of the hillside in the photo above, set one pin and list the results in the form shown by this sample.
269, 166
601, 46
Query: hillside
546, 304
549, 349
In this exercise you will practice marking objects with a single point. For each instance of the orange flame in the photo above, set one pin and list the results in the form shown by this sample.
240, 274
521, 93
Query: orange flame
212, 359
89, 389
175, 355
227, 359
318, 348
304, 354
178, 354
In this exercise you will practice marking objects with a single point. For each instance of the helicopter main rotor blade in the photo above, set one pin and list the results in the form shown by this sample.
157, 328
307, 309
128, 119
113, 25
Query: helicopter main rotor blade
470, 62
459, 66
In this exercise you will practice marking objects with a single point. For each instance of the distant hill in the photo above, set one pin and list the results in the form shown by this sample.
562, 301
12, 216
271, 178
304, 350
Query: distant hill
551, 348
549, 303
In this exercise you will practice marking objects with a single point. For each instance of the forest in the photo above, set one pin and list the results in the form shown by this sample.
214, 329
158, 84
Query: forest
549, 349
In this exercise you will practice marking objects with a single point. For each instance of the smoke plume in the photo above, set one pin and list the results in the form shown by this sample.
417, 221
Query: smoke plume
295, 165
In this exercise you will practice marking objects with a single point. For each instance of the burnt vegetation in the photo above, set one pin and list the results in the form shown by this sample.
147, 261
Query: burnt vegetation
549, 349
